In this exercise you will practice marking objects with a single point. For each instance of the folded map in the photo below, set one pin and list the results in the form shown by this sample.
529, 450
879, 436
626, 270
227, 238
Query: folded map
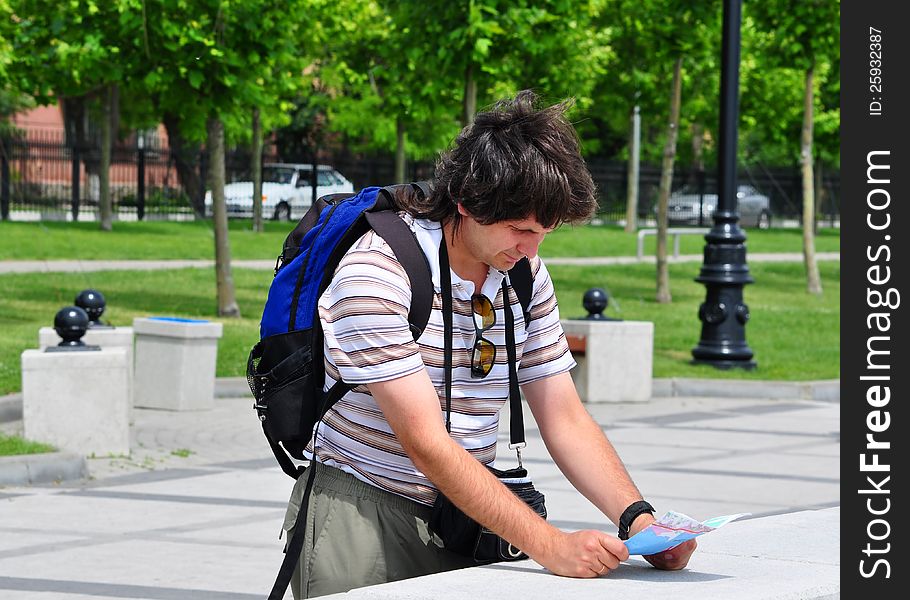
671, 530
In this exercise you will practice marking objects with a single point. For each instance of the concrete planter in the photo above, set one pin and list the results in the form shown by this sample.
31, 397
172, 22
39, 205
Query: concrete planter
617, 360
175, 363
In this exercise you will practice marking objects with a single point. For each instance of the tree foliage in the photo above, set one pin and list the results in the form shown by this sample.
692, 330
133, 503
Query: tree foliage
358, 73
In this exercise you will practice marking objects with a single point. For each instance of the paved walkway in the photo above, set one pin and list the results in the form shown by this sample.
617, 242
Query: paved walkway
195, 510
50, 266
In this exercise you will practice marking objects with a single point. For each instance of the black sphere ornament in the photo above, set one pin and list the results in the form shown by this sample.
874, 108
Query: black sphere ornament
92, 302
595, 302
71, 323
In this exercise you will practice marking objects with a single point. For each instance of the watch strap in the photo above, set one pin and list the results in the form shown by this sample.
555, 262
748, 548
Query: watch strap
630, 514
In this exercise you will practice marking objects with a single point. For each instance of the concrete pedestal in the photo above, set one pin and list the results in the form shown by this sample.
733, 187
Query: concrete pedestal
175, 363
106, 337
78, 401
616, 365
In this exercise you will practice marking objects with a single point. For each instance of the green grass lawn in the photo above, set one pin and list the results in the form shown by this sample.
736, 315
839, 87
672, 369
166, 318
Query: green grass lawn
195, 240
13, 445
611, 240
146, 240
795, 336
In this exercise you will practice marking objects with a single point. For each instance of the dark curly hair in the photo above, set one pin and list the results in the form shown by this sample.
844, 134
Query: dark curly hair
513, 162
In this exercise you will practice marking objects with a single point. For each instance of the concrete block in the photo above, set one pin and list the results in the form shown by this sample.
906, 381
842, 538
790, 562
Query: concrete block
106, 337
175, 363
78, 401
617, 362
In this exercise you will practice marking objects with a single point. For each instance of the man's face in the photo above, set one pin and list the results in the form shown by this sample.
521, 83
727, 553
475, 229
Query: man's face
501, 245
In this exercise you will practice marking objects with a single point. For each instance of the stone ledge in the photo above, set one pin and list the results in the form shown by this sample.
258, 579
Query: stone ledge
746, 560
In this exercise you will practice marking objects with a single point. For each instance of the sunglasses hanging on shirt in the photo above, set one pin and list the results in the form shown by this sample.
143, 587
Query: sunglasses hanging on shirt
484, 354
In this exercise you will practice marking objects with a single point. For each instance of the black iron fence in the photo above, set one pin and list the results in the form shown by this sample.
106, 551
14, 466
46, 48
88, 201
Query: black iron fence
42, 177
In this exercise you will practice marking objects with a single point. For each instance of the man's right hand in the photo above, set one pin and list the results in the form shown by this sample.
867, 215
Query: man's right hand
586, 553
411, 407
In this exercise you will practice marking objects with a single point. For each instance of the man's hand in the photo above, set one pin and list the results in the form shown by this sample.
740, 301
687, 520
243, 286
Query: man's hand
675, 558
582, 554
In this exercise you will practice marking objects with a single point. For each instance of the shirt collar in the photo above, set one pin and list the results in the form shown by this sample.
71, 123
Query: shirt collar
429, 236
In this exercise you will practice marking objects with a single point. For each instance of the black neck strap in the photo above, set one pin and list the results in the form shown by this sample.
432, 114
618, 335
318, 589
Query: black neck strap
516, 421
445, 281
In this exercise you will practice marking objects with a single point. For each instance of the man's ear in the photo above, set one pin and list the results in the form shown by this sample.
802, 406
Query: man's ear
462, 210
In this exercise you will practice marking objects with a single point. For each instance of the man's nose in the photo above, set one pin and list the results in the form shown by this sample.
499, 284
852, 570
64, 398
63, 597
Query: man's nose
530, 246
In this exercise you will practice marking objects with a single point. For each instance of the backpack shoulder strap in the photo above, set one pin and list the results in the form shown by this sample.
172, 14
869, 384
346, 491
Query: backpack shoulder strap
523, 283
403, 243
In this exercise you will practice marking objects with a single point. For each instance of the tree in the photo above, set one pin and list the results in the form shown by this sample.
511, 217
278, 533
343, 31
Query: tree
209, 66
681, 30
803, 35
79, 51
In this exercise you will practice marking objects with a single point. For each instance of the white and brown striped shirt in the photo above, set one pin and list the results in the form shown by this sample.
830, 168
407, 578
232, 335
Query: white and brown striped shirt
364, 314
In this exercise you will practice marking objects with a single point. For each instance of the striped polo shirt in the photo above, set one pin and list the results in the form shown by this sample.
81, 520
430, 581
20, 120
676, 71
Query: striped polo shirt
364, 314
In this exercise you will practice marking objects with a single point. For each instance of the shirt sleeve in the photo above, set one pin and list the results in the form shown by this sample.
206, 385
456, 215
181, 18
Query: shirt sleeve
364, 316
546, 351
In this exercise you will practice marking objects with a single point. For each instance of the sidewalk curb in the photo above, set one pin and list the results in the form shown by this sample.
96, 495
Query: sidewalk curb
42, 468
821, 391
10, 408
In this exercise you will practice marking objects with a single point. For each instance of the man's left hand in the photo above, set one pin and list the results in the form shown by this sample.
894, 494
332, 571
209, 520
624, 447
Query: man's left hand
675, 558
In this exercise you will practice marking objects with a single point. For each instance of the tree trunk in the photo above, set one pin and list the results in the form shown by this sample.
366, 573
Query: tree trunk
633, 172
186, 161
105, 202
470, 96
819, 194
256, 169
813, 279
227, 304
399, 150
666, 182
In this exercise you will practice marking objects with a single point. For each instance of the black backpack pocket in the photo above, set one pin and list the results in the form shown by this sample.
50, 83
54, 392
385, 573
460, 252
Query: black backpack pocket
280, 373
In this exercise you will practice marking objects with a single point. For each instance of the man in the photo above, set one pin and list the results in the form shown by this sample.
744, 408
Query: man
383, 452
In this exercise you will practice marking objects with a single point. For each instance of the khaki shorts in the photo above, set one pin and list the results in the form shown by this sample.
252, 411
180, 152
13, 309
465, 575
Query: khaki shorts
358, 535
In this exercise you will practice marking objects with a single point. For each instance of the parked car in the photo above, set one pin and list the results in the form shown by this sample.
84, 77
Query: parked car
754, 207
286, 191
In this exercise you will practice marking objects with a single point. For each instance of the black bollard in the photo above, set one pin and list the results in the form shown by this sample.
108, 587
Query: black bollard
595, 302
92, 302
71, 323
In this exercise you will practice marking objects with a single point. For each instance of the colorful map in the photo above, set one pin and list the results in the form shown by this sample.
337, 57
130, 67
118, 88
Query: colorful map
671, 530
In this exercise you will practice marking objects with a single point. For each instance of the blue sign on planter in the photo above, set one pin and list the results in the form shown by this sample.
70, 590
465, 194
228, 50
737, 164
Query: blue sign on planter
178, 320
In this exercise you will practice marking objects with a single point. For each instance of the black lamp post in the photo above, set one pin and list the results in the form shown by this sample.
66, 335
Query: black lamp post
724, 271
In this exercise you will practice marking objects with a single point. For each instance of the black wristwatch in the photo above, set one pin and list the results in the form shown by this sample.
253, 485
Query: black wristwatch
630, 514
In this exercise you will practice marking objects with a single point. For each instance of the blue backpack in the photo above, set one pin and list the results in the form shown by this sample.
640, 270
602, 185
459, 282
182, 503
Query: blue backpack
286, 369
